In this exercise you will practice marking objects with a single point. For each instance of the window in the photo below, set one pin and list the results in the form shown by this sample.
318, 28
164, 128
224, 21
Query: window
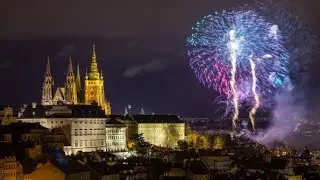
101, 142
76, 143
85, 131
76, 132
85, 143
81, 143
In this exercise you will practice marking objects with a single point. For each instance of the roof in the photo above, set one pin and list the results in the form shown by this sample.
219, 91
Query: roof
63, 111
20, 128
71, 167
198, 167
114, 122
2, 107
157, 119
105, 169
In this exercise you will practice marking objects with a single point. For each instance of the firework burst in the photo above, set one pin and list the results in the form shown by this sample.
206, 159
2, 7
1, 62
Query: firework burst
239, 54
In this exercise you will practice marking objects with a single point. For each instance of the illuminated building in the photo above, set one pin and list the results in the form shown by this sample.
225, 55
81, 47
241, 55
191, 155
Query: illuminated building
160, 130
6, 115
10, 168
83, 125
115, 136
72, 92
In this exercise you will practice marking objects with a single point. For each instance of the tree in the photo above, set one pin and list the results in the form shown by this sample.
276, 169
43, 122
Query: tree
182, 144
218, 142
139, 144
202, 142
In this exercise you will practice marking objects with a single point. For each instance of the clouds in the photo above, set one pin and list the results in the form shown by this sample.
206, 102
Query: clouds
152, 66
67, 50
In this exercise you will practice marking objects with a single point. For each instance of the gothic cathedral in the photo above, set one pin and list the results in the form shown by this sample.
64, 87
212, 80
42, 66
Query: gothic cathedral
72, 93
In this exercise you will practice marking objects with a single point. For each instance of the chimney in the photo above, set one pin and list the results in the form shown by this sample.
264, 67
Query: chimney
34, 105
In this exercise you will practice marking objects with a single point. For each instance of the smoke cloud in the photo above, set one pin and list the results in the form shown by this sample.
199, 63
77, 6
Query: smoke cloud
289, 109
152, 66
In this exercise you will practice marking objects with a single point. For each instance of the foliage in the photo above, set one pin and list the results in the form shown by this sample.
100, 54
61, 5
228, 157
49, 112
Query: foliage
139, 144
183, 144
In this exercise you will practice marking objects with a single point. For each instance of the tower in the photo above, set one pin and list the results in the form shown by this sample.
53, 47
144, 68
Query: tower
142, 111
71, 94
47, 86
94, 85
78, 84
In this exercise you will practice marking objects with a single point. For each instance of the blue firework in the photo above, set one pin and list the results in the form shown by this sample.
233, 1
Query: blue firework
254, 39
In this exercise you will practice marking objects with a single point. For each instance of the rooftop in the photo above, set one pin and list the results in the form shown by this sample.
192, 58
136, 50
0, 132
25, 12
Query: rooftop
157, 119
71, 167
63, 111
198, 167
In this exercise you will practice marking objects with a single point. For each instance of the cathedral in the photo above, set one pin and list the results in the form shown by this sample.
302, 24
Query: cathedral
72, 93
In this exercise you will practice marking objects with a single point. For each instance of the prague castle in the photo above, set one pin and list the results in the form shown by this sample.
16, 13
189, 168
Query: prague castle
84, 114
73, 93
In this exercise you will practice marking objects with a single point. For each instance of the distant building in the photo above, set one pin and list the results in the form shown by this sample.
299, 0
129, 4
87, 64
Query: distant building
10, 168
86, 124
72, 93
6, 115
160, 130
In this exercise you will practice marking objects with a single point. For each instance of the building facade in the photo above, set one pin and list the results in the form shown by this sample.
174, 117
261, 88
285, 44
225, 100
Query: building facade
161, 130
83, 125
72, 92
116, 136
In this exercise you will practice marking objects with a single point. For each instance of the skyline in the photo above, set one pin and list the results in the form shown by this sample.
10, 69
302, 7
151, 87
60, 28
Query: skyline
138, 44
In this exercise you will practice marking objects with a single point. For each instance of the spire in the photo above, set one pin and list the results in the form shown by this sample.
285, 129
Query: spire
48, 70
70, 68
70, 86
93, 71
142, 112
46, 98
126, 111
78, 77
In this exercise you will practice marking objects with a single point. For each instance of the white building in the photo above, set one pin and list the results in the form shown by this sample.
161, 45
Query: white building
84, 125
115, 136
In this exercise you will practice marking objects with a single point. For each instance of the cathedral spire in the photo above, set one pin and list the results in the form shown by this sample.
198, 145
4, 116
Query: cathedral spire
70, 87
93, 70
46, 98
48, 69
78, 77
70, 68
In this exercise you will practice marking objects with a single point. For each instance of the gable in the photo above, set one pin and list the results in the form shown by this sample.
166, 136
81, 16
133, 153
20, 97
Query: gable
59, 94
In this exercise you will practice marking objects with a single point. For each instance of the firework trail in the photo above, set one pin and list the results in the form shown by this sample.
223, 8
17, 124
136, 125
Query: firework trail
233, 46
255, 94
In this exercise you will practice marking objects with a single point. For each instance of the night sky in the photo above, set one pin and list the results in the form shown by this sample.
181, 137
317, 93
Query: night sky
140, 47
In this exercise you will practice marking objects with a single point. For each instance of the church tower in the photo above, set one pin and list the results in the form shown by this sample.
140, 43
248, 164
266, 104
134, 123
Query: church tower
78, 84
47, 86
94, 85
71, 94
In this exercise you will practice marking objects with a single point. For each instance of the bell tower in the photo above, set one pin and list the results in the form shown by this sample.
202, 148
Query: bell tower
47, 86
94, 85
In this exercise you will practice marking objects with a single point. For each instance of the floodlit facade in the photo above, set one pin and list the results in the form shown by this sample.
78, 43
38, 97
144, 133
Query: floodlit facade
73, 92
161, 130
115, 136
83, 125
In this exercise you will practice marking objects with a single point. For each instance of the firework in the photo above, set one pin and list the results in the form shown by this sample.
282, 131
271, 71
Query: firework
239, 54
